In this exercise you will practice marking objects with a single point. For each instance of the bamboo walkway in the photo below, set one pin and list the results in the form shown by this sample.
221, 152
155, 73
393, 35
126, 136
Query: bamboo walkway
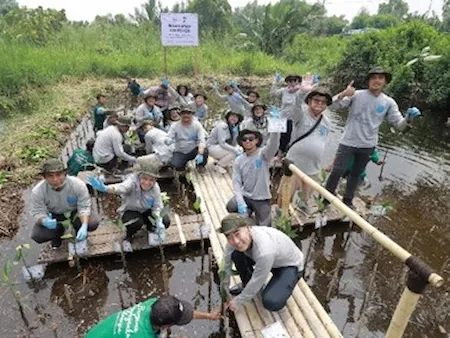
303, 316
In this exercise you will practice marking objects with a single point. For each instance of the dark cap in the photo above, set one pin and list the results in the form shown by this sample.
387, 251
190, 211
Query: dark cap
263, 106
168, 310
124, 121
52, 165
187, 110
319, 92
293, 78
232, 222
380, 70
253, 92
202, 95
149, 95
229, 113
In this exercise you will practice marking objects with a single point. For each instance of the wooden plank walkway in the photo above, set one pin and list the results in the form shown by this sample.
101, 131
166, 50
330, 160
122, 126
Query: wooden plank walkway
303, 316
183, 229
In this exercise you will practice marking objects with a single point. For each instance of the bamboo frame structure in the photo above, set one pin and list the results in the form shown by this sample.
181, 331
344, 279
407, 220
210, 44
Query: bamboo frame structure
420, 274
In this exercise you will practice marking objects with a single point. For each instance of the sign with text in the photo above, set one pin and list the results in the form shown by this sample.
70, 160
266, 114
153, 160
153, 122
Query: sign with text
179, 29
277, 125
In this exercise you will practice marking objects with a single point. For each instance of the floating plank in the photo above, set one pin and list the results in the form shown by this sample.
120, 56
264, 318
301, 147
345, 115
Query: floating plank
101, 241
214, 191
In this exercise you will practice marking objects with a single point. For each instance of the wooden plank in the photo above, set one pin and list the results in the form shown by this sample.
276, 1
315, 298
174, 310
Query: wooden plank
101, 241
180, 230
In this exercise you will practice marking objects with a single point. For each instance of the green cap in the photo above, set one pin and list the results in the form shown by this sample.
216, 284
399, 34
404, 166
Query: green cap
52, 165
148, 165
232, 222
124, 121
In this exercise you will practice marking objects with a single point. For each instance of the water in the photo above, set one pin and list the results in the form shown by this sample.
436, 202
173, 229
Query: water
415, 180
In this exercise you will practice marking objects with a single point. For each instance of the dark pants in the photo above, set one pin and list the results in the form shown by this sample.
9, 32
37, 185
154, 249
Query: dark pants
112, 165
261, 208
344, 154
41, 234
280, 287
179, 160
285, 138
137, 219
141, 135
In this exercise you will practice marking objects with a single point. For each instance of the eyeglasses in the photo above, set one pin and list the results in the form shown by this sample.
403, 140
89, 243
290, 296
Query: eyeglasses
248, 138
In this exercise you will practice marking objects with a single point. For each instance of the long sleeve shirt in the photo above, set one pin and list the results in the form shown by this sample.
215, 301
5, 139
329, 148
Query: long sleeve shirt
135, 199
289, 100
187, 137
307, 154
221, 135
144, 112
270, 249
366, 113
156, 142
236, 102
163, 97
251, 175
109, 144
74, 195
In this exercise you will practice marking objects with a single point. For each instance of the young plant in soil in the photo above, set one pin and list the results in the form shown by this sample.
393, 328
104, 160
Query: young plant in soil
7, 280
68, 226
284, 223
224, 296
123, 229
20, 257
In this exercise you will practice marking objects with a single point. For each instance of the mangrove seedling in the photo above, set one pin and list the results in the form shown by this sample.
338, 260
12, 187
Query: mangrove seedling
7, 280
69, 229
20, 257
284, 223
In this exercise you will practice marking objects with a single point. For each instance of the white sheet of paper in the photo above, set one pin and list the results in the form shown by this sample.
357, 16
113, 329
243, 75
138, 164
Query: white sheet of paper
275, 330
277, 125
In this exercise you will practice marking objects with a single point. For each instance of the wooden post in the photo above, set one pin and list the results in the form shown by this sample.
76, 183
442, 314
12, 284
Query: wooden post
165, 60
415, 286
196, 50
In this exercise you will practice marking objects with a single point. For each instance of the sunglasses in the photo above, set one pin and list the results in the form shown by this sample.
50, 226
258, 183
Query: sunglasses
248, 138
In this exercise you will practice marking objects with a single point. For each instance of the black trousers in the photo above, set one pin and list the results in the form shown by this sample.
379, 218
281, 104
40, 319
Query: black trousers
135, 220
285, 138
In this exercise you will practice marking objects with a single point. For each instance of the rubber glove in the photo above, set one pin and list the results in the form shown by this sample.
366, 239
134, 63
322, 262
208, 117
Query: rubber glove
235, 129
233, 84
316, 78
277, 77
165, 82
49, 222
199, 159
159, 223
161, 234
97, 184
412, 113
168, 141
243, 209
274, 112
82, 232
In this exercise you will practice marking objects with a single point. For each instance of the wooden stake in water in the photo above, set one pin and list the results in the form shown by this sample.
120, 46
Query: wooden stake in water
165, 60
196, 50
210, 278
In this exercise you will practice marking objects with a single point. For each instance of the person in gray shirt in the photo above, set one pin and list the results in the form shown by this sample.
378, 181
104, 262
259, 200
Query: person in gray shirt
53, 198
189, 138
367, 110
147, 111
251, 176
256, 252
108, 146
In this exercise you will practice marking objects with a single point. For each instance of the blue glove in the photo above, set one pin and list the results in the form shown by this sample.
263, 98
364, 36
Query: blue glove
161, 233
243, 209
82, 232
97, 184
199, 159
168, 141
159, 223
165, 82
233, 84
277, 77
235, 129
413, 112
49, 222
316, 78
274, 112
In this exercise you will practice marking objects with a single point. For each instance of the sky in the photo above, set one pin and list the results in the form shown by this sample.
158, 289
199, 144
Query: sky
78, 10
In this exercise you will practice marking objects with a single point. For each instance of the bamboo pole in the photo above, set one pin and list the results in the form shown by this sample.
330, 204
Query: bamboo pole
299, 318
180, 230
285, 193
380, 237
403, 312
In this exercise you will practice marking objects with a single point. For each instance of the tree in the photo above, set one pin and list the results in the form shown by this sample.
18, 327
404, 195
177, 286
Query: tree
361, 20
7, 5
329, 25
214, 15
446, 15
397, 8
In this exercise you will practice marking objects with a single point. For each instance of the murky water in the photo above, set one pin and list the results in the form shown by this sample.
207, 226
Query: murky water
415, 180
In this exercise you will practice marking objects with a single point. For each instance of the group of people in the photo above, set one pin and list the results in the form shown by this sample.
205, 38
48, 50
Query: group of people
170, 125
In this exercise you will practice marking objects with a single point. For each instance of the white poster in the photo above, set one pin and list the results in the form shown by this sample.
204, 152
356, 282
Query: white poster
179, 29
277, 125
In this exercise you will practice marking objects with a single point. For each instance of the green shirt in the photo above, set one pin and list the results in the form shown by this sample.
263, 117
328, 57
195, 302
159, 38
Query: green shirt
80, 160
130, 323
99, 116
375, 158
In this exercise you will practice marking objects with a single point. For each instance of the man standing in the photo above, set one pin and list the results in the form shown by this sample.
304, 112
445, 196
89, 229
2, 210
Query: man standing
367, 110
190, 141
108, 147
53, 197
98, 112
256, 252
251, 176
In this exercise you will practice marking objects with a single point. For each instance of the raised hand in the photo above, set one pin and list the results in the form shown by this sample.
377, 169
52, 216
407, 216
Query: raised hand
350, 90
307, 83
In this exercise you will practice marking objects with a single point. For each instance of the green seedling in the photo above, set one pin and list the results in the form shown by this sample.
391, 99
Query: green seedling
284, 223
7, 280
33, 153
4, 176
44, 132
197, 205
224, 294
67, 115
20, 257
69, 235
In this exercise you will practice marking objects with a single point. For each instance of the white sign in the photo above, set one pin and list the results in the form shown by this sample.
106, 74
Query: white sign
277, 125
275, 330
179, 29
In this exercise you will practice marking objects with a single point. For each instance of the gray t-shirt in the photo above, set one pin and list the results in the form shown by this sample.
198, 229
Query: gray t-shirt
219, 136
156, 142
136, 199
366, 114
251, 175
187, 137
144, 112
109, 144
74, 195
270, 249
